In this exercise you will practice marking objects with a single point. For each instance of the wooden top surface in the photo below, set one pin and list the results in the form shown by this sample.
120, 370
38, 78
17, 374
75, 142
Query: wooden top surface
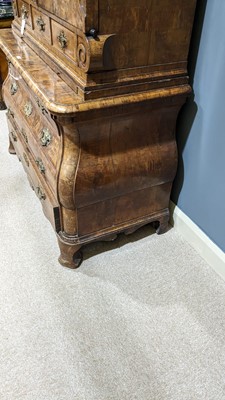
55, 94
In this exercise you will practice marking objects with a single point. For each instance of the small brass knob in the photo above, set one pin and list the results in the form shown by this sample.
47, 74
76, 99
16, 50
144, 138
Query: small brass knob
93, 32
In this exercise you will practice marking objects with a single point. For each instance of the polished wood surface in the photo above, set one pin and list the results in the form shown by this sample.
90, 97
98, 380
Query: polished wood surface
132, 45
4, 23
99, 165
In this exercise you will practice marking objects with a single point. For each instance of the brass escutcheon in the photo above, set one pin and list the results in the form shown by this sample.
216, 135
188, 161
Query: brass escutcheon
40, 193
24, 135
10, 113
40, 22
62, 40
40, 105
26, 159
14, 88
40, 165
13, 136
28, 109
46, 137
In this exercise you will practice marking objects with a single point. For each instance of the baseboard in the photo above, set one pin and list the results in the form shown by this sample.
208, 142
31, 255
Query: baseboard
207, 249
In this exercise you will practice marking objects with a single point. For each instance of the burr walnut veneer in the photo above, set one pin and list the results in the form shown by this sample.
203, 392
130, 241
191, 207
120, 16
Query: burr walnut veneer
93, 93
4, 23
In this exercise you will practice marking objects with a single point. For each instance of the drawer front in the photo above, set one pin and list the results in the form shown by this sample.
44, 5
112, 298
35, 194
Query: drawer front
41, 137
49, 203
64, 40
45, 165
36, 132
21, 151
41, 25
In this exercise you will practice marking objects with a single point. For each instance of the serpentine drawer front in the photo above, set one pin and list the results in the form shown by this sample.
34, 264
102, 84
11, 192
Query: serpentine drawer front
93, 93
37, 133
48, 202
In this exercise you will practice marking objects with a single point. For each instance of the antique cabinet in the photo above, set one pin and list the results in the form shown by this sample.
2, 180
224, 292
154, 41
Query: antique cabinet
93, 93
6, 17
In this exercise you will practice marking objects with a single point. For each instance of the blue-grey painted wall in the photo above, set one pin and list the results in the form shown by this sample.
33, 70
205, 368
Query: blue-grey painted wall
199, 188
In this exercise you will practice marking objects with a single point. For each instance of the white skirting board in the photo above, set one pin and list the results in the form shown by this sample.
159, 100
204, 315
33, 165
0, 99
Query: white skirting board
207, 249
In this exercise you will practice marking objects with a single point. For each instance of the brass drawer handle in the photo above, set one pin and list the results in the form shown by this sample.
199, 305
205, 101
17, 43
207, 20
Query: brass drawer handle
40, 165
13, 136
46, 137
14, 88
26, 159
40, 105
24, 12
62, 40
40, 193
41, 24
10, 113
24, 135
28, 109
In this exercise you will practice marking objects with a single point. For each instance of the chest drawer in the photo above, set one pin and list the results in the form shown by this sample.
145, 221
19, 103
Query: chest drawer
37, 134
41, 25
47, 199
20, 91
64, 40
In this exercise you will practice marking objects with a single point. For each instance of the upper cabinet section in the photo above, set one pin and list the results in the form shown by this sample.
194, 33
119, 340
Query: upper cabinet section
96, 42
83, 14
158, 17
158, 31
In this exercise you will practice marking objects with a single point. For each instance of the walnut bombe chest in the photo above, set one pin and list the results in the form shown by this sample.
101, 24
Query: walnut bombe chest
93, 93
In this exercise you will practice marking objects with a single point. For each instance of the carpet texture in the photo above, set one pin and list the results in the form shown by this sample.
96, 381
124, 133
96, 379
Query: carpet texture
143, 318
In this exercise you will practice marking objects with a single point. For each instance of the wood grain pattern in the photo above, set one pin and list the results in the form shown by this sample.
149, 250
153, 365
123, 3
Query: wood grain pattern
132, 42
4, 23
93, 121
31, 128
49, 204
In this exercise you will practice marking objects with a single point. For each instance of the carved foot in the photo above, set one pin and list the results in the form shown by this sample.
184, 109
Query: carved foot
72, 261
161, 226
70, 254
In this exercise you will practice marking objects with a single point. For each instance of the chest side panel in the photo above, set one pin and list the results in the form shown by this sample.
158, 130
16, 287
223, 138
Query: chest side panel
147, 32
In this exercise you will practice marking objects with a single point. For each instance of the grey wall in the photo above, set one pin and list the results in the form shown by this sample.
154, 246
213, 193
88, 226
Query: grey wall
199, 188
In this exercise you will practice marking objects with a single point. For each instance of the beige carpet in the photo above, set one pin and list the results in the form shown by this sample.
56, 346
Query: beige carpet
142, 319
